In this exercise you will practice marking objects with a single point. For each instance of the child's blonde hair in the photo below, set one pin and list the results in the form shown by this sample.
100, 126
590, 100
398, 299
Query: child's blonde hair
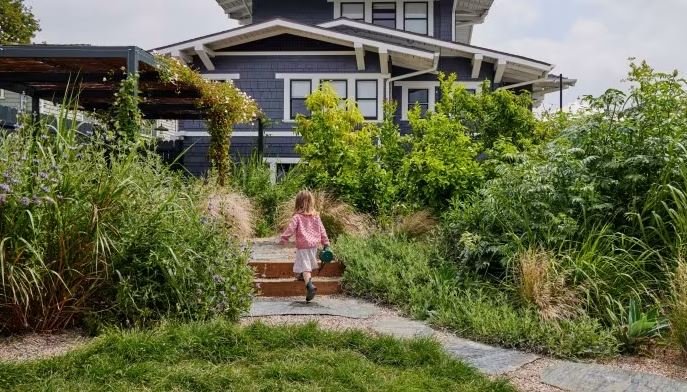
305, 203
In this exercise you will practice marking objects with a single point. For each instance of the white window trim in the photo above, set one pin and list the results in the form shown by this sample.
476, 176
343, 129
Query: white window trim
2, 94
400, 11
349, 77
431, 86
222, 76
274, 161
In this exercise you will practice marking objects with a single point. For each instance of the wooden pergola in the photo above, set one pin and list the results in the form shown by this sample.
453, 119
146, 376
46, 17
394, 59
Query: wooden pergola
93, 73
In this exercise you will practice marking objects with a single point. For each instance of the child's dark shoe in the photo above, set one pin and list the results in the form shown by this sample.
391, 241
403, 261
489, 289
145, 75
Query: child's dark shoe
311, 290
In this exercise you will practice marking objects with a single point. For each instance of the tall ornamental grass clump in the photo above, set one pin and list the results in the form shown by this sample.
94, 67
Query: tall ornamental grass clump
88, 233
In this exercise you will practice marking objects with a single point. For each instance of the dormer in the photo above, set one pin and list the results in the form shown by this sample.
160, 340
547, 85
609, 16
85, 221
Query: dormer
449, 20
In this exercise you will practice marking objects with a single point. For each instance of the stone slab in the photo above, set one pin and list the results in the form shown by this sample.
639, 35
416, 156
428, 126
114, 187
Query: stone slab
321, 306
402, 328
581, 377
491, 360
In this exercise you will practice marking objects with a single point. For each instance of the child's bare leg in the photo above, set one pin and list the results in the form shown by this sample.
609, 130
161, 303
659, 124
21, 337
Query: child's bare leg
306, 276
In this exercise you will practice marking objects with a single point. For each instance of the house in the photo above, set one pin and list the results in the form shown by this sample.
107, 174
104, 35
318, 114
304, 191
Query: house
368, 50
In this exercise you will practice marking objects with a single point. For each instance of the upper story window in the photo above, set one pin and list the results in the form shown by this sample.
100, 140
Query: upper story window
384, 14
353, 11
416, 17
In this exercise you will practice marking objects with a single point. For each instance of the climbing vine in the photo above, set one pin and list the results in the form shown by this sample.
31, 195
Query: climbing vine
222, 103
126, 116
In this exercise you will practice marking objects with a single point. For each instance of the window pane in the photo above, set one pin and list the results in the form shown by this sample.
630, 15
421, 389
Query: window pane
298, 107
368, 107
300, 88
416, 26
366, 89
340, 86
420, 96
355, 11
383, 11
416, 10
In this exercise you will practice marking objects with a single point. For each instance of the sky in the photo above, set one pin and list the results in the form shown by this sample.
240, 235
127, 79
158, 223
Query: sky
588, 40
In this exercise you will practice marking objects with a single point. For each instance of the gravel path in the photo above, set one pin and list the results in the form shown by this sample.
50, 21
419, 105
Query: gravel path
37, 346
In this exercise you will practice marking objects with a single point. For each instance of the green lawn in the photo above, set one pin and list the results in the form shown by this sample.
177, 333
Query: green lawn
219, 356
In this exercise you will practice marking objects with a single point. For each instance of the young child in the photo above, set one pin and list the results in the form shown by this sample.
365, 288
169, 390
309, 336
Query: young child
310, 233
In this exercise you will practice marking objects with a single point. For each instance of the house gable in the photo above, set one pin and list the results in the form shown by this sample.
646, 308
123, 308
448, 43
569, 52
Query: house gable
287, 42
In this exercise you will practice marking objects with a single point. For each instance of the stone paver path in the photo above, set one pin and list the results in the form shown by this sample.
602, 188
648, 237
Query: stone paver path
568, 376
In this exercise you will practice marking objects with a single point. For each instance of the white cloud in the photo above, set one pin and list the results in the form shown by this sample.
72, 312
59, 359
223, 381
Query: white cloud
591, 40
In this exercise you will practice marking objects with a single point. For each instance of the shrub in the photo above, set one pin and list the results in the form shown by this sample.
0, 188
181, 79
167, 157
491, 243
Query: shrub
86, 234
408, 275
233, 211
678, 306
635, 328
340, 153
540, 284
337, 217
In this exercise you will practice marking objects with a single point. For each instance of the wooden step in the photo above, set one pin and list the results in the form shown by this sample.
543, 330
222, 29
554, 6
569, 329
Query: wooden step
284, 269
294, 288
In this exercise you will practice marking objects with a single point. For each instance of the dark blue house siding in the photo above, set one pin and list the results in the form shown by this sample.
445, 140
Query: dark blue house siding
308, 11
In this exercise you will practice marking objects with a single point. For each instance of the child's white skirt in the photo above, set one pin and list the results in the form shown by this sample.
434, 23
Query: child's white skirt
306, 260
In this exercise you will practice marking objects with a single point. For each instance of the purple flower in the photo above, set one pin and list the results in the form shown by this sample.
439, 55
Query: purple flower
43, 175
5, 188
25, 201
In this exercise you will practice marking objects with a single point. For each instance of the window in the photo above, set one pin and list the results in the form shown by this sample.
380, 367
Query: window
384, 14
282, 170
416, 18
353, 11
300, 89
366, 97
420, 97
340, 86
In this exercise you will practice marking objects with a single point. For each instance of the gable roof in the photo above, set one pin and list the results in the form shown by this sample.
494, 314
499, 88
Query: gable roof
402, 55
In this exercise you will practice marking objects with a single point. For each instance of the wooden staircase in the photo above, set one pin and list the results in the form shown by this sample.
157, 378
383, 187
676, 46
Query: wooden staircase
272, 265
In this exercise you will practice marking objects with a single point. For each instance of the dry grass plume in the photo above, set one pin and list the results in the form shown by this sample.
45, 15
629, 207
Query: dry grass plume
541, 285
232, 210
338, 217
415, 225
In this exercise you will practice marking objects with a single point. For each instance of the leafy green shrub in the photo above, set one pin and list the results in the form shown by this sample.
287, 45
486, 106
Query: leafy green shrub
115, 236
408, 275
340, 153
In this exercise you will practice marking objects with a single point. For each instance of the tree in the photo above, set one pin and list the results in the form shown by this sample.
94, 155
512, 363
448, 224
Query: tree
18, 24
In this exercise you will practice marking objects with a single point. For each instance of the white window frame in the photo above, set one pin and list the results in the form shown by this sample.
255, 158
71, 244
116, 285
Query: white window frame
400, 11
351, 88
432, 87
2, 94
274, 161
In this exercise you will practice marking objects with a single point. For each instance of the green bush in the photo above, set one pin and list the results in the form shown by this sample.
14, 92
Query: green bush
408, 275
93, 234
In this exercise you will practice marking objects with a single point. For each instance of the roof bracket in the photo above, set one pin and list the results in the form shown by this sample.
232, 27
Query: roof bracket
384, 60
500, 68
476, 65
204, 55
359, 55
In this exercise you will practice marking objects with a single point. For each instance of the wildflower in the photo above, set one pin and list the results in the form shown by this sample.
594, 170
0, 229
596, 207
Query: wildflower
25, 201
217, 279
7, 175
43, 175
5, 188
45, 189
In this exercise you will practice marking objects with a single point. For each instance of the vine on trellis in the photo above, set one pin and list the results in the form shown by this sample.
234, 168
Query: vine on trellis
222, 103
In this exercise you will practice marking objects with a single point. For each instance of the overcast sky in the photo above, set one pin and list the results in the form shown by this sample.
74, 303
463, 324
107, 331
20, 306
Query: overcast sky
589, 40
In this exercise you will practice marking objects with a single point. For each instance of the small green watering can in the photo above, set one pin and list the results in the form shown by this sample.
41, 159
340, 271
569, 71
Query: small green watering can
326, 257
